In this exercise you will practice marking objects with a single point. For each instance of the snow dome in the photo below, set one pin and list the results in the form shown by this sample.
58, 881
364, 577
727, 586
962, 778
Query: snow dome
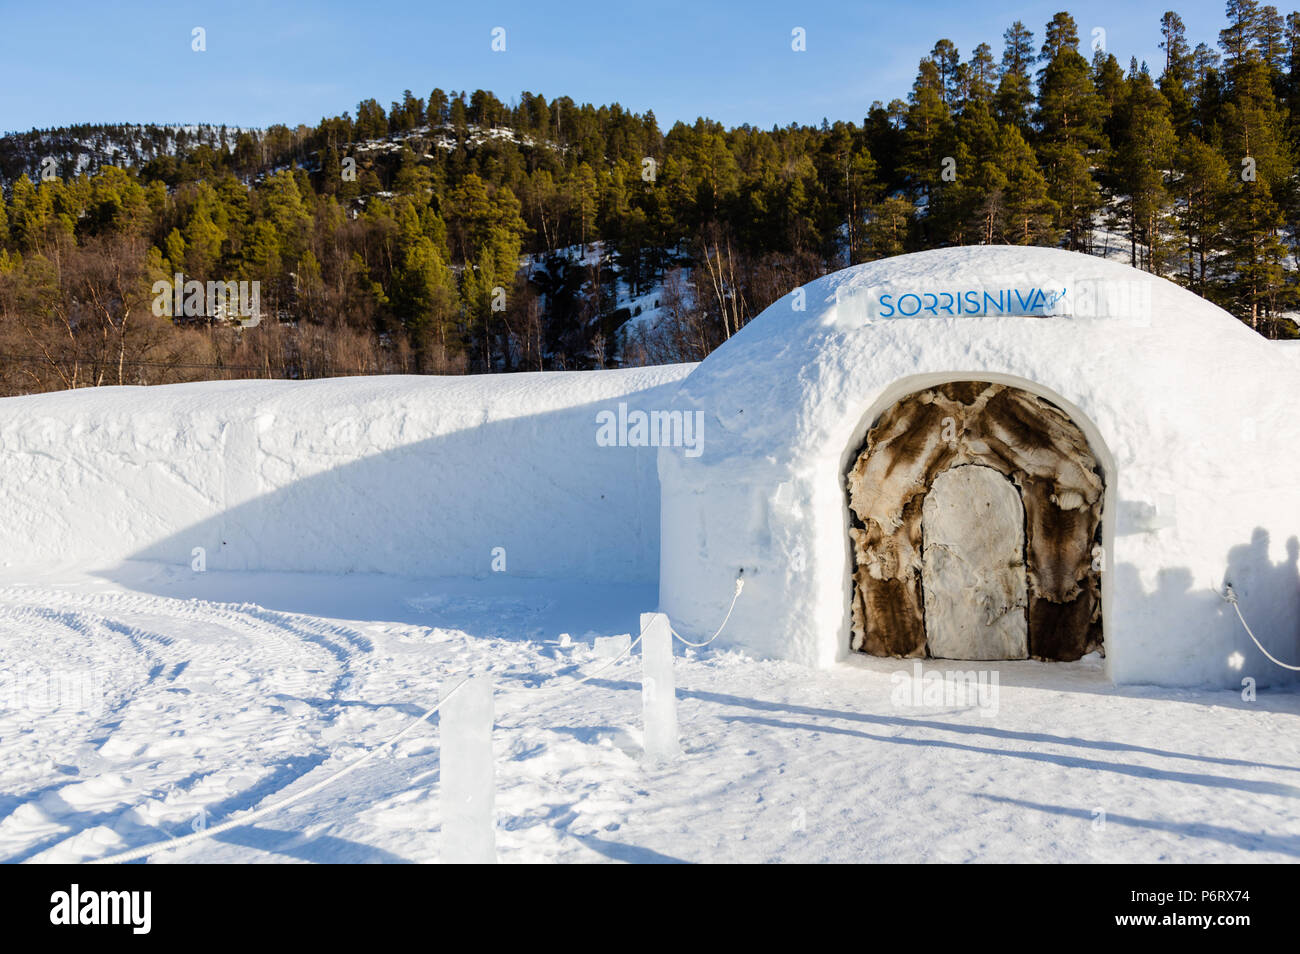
992, 453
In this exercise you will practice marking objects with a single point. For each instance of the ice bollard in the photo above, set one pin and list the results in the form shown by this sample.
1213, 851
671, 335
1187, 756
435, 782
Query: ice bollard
658, 692
468, 790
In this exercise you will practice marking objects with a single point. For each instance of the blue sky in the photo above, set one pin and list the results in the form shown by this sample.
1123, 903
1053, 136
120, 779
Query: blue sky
284, 62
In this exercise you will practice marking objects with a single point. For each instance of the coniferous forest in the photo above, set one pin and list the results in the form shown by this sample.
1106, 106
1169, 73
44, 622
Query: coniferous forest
456, 233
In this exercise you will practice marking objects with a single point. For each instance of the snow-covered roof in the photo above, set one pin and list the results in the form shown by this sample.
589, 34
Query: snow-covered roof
1123, 339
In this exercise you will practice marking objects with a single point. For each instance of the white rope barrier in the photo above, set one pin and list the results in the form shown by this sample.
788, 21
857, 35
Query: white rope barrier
250, 817
740, 585
1231, 597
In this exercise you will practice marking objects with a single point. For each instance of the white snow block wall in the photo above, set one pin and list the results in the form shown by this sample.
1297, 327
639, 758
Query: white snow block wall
416, 476
1192, 415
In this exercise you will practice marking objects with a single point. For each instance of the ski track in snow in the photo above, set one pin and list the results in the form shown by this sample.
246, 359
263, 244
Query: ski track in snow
203, 708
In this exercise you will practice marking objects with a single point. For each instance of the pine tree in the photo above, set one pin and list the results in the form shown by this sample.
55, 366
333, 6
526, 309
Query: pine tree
963, 213
1177, 78
1069, 116
952, 74
436, 112
1029, 209
424, 297
886, 230
1015, 93
1143, 151
1291, 85
372, 123
1251, 267
927, 134
585, 198
1207, 86
981, 77
1270, 39
31, 215
1254, 140
1201, 186
174, 251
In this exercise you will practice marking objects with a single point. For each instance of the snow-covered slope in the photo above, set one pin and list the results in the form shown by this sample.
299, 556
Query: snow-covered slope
416, 476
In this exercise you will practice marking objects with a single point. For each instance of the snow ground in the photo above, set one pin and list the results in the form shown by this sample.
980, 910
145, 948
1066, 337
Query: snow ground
211, 693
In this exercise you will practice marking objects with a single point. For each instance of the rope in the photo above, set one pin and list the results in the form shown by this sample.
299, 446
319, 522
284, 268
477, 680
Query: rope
740, 585
1231, 597
239, 822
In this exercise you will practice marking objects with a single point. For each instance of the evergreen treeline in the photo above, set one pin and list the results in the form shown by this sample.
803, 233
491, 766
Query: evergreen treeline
457, 233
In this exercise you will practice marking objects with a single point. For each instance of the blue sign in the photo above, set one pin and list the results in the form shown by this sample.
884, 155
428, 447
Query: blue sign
1027, 302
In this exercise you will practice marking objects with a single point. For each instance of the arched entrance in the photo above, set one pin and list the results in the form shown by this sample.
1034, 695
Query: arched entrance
960, 495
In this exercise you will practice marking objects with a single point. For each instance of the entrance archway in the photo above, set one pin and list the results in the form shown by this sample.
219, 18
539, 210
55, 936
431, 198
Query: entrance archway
941, 449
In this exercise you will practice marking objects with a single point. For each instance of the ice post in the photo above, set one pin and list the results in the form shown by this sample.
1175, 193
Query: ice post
658, 692
468, 826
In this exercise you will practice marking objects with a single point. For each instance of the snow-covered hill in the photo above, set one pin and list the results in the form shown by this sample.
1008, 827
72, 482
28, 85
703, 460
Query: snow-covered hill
75, 150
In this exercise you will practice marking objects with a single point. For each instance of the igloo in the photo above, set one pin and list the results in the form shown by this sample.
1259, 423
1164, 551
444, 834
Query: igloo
992, 453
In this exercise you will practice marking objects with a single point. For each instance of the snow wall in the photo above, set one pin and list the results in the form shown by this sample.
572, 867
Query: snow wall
1192, 415
416, 476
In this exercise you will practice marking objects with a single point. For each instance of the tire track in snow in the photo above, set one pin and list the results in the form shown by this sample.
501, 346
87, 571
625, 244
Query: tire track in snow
160, 659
